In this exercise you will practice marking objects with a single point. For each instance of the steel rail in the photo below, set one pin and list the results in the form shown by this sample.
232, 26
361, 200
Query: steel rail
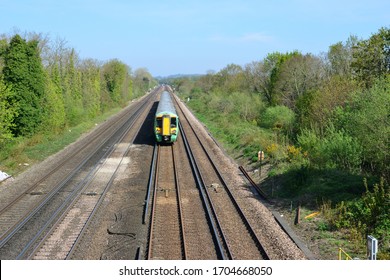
13, 230
150, 182
104, 193
230, 194
154, 200
61, 164
76, 193
210, 211
180, 210
258, 189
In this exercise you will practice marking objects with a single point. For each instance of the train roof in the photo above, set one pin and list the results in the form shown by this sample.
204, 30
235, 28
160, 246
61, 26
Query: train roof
166, 104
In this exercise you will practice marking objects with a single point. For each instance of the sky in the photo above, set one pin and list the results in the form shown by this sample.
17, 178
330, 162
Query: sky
169, 37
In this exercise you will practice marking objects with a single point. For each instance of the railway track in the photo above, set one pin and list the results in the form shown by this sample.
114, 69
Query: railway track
238, 239
59, 242
166, 237
52, 208
231, 234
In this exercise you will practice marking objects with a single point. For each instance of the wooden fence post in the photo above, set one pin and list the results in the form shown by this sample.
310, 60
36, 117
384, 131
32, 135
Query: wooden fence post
298, 215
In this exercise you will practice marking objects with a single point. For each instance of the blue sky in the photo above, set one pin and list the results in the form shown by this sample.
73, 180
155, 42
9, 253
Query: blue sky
192, 37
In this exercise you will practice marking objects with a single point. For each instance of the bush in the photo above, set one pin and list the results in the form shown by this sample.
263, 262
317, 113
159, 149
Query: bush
336, 149
340, 150
279, 118
366, 118
368, 215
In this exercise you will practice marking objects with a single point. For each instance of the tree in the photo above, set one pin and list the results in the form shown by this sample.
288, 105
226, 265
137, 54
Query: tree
3, 48
332, 94
91, 87
340, 57
336, 149
367, 119
300, 74
206, 82
24, 73
7, 113
371, 57
263, 76
258, 76
55, 116
142, 81
114, 77
71, 87
231, 79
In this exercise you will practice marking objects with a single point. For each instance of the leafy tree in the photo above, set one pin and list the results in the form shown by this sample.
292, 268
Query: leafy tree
36, 77
206, 82
367, 118
340, 57
3, 48
7, 113
340, 150
332, 94
55, 116
91, 87
299, 75
142, 81
264, 75
231, 79
114, 75
247, 105
184, 85
24, 73
371, 57
71, 87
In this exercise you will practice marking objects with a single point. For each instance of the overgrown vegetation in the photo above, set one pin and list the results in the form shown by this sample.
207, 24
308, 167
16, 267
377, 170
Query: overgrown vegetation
323, 123
47, 90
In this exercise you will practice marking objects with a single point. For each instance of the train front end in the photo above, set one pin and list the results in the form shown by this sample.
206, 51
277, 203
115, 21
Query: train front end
166, 127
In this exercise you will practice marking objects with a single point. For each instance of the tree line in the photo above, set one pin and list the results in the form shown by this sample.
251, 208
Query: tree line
323, 122
45, 87
332, 109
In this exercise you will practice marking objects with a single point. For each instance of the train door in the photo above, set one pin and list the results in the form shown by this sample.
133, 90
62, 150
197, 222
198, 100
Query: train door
166, 125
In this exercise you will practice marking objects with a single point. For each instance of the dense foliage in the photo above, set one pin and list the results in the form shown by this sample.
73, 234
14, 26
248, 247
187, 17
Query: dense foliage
323, 122
23, 72
45, 87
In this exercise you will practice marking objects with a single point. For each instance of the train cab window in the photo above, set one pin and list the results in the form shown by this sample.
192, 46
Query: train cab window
159, 122
173, 122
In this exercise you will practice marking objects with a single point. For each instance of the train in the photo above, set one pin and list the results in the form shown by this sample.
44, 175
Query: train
166, 121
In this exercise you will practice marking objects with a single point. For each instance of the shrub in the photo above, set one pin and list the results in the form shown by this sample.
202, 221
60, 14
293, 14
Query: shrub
279, 117
368, 215
336, 149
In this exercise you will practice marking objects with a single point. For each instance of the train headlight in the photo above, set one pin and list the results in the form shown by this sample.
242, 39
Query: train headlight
173, 131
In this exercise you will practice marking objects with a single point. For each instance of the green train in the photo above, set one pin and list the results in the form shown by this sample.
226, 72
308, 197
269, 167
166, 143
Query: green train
166, 121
